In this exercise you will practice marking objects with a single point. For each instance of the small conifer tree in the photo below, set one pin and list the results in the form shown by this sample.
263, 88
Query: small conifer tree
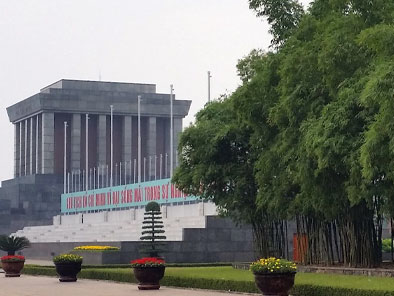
152, 230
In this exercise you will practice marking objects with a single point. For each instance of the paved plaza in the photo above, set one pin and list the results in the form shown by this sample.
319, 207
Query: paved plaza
49, 286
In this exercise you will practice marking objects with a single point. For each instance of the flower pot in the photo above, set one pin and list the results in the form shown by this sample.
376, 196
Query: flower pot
275, 284
68, 271
149, 277
13, 269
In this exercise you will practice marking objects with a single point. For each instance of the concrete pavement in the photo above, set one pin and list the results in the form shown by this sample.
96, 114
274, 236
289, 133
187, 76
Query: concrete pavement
39, 262
49, 286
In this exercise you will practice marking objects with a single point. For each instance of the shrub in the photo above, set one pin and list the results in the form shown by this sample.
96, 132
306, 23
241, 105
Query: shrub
386, 245
12, 258
11, 244
152, 230
148, 262
67, 258
272, 265
96, 248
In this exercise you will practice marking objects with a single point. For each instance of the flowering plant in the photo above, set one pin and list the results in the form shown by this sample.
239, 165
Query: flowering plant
12, 258
148, 262
273, 265
67, 258
96, 248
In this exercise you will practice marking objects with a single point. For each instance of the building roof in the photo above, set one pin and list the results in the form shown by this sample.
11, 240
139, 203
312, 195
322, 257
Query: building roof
95, 97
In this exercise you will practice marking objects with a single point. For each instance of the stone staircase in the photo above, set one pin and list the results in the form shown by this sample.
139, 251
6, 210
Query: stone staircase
107, 231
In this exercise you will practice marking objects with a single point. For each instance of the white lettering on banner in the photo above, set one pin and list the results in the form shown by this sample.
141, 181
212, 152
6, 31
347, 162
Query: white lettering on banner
161, 191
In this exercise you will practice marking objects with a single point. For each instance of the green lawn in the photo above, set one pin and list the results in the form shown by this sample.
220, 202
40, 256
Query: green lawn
228, 273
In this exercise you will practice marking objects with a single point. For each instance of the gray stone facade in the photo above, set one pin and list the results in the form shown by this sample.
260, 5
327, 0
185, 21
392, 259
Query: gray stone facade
38, 147
33, 196
220, 241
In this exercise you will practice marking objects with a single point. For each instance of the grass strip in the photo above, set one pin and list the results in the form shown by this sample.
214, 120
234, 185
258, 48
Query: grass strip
220, 278
101, 266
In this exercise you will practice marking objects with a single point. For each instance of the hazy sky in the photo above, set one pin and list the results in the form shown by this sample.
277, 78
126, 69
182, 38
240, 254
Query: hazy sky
151, 41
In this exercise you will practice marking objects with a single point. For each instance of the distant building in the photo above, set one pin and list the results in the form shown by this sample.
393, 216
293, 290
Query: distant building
32, 197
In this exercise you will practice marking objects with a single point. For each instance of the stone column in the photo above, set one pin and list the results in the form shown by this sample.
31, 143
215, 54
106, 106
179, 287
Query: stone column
102, 140
177, 131
17, 148
22, 150
151, 145
48, 142
27, 147
126, 139
127, 147
38, 144
75, 142
33, 141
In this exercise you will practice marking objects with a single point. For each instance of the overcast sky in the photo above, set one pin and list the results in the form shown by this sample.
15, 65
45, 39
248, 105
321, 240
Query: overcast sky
151, 41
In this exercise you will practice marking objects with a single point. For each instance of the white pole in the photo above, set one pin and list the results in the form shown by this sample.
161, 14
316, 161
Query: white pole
116, 174
130, 172
112, 144
135, 170
98, 177
72, 181
106, 177
87, 149
161, 165
94, 178
65, 158
68, 183
166, 166
150, 168
125, 172
144, 168
155, 167
171, 134
120, 173
139, 139
209, 86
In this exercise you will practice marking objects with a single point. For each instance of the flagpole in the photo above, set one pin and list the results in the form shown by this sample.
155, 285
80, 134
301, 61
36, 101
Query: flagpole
139, 139
65, 158
209, 86
112, 145
87, 148
171, 134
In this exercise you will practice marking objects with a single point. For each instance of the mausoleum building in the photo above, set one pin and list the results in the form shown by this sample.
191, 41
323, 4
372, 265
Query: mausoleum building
39, 126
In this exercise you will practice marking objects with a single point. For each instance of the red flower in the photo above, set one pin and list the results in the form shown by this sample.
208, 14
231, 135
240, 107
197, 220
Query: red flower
148, 261
12, 258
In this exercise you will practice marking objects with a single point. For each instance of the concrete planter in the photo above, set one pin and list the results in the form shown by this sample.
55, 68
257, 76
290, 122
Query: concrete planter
13, 269
99, 257
275, 284
149, 277
68, 271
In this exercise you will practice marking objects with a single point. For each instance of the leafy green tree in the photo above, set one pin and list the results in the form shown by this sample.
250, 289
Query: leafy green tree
216, 163
282, 15
248, 66
308, 134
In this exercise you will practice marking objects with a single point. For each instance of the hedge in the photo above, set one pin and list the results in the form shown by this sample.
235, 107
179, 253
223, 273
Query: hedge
128, 265
211, 284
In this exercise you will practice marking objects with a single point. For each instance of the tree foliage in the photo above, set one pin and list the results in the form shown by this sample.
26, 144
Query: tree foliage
11, 244
152, 230
308, 136
216, 163
283, 16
